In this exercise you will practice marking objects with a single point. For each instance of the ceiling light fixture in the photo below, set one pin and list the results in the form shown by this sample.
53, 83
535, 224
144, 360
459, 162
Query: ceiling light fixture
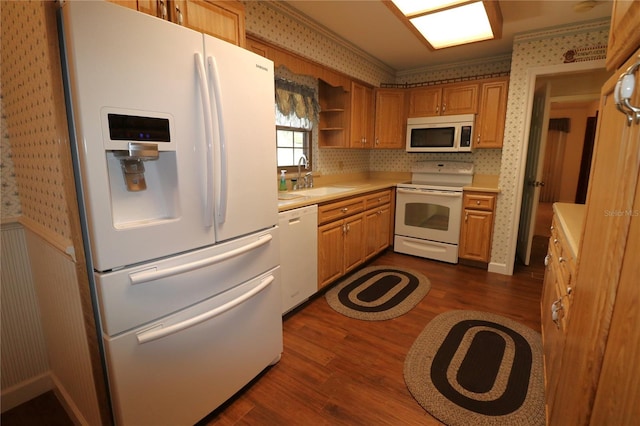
447, 23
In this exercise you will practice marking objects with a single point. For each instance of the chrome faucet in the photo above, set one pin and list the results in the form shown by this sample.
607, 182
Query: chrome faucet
302, 160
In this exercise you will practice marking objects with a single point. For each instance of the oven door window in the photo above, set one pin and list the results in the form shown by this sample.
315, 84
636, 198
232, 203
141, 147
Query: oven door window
427, 216
436, 137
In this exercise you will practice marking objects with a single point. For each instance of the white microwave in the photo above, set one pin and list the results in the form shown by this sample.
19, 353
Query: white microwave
444, 133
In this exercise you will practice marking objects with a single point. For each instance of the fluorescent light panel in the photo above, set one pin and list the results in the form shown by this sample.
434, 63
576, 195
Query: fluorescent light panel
452, 26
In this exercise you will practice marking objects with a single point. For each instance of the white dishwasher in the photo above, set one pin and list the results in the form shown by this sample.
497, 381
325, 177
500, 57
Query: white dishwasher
298, 255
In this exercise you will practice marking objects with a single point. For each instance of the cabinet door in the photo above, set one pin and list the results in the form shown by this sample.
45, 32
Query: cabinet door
475, 235
425, 101
330, 252
353, 242
157, 8
552, 334
131, 4
459, 99
221, 19
606, 251
390, 119
489, 126
361, 133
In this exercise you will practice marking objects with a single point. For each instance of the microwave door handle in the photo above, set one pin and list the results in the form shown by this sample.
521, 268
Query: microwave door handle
222, 181
208, 142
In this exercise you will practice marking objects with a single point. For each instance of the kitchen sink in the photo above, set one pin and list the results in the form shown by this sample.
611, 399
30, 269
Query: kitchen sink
324, 190
289, 195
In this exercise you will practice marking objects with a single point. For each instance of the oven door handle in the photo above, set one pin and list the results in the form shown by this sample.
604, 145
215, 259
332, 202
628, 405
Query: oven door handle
430, 192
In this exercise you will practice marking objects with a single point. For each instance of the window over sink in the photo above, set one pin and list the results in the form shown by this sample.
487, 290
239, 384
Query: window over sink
296, 115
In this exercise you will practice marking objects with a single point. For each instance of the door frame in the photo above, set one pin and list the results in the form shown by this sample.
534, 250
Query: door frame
532, 74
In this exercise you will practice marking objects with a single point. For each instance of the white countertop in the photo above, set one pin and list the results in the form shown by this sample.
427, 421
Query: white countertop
571, 220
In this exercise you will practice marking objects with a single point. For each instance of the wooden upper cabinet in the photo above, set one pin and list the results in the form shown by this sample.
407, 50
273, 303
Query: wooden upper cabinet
445, 99
157, 8
624, 35
361, 130
221, 19
390, 118
425, 101
489, 126
460, 99
131, 4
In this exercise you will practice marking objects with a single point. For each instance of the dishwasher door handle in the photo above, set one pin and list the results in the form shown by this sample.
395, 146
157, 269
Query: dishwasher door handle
160, 331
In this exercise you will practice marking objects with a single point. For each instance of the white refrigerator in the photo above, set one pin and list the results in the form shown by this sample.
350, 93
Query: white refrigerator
173, 139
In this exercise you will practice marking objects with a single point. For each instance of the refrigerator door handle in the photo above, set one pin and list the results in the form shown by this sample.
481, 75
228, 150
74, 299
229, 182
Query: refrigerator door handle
160, 331
153, 274
216, 96
208, 130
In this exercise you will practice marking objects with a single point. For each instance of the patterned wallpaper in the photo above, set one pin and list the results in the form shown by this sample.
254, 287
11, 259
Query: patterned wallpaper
30, 75
535, 49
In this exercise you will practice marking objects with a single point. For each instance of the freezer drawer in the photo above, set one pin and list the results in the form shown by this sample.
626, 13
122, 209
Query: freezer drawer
179, 378
134, 296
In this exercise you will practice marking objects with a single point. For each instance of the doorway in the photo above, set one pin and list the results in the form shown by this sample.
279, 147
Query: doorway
573, 95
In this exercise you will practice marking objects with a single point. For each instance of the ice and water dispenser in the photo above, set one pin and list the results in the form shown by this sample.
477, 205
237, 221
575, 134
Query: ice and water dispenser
142, 166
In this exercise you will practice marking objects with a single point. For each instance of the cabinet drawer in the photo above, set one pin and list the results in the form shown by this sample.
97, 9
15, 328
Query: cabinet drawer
479, 201
340, 209
376, 199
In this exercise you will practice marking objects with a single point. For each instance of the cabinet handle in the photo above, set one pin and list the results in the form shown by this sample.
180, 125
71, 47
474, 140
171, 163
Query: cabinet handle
377, 141
466, 216
477, 203
163, 9
444, 108
179, 14
344, 229
437, 109
344, 210
547, 260
561, 259
622, 94
555, 241
556, 308
348, 227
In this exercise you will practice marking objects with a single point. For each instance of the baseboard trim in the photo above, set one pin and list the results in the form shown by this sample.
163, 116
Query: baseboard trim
25, 391
67, 403
499, 268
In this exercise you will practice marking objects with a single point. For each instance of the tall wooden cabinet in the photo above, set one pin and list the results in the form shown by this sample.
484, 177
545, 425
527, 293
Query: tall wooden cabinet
361, 130
390, 119
598, 381
489, 126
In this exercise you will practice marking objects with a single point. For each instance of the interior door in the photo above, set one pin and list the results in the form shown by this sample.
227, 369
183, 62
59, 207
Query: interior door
533, 171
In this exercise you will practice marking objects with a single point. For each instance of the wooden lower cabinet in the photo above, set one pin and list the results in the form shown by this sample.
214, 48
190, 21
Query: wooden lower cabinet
351, 231
377, 230
556, 297
476, 230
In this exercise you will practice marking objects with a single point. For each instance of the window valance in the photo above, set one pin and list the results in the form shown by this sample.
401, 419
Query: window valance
295, 98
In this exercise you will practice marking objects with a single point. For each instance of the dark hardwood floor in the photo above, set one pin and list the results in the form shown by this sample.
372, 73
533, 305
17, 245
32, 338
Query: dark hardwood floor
341, 371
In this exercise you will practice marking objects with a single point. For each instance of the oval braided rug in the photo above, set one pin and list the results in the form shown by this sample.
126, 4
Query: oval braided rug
378, 293
469, 367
